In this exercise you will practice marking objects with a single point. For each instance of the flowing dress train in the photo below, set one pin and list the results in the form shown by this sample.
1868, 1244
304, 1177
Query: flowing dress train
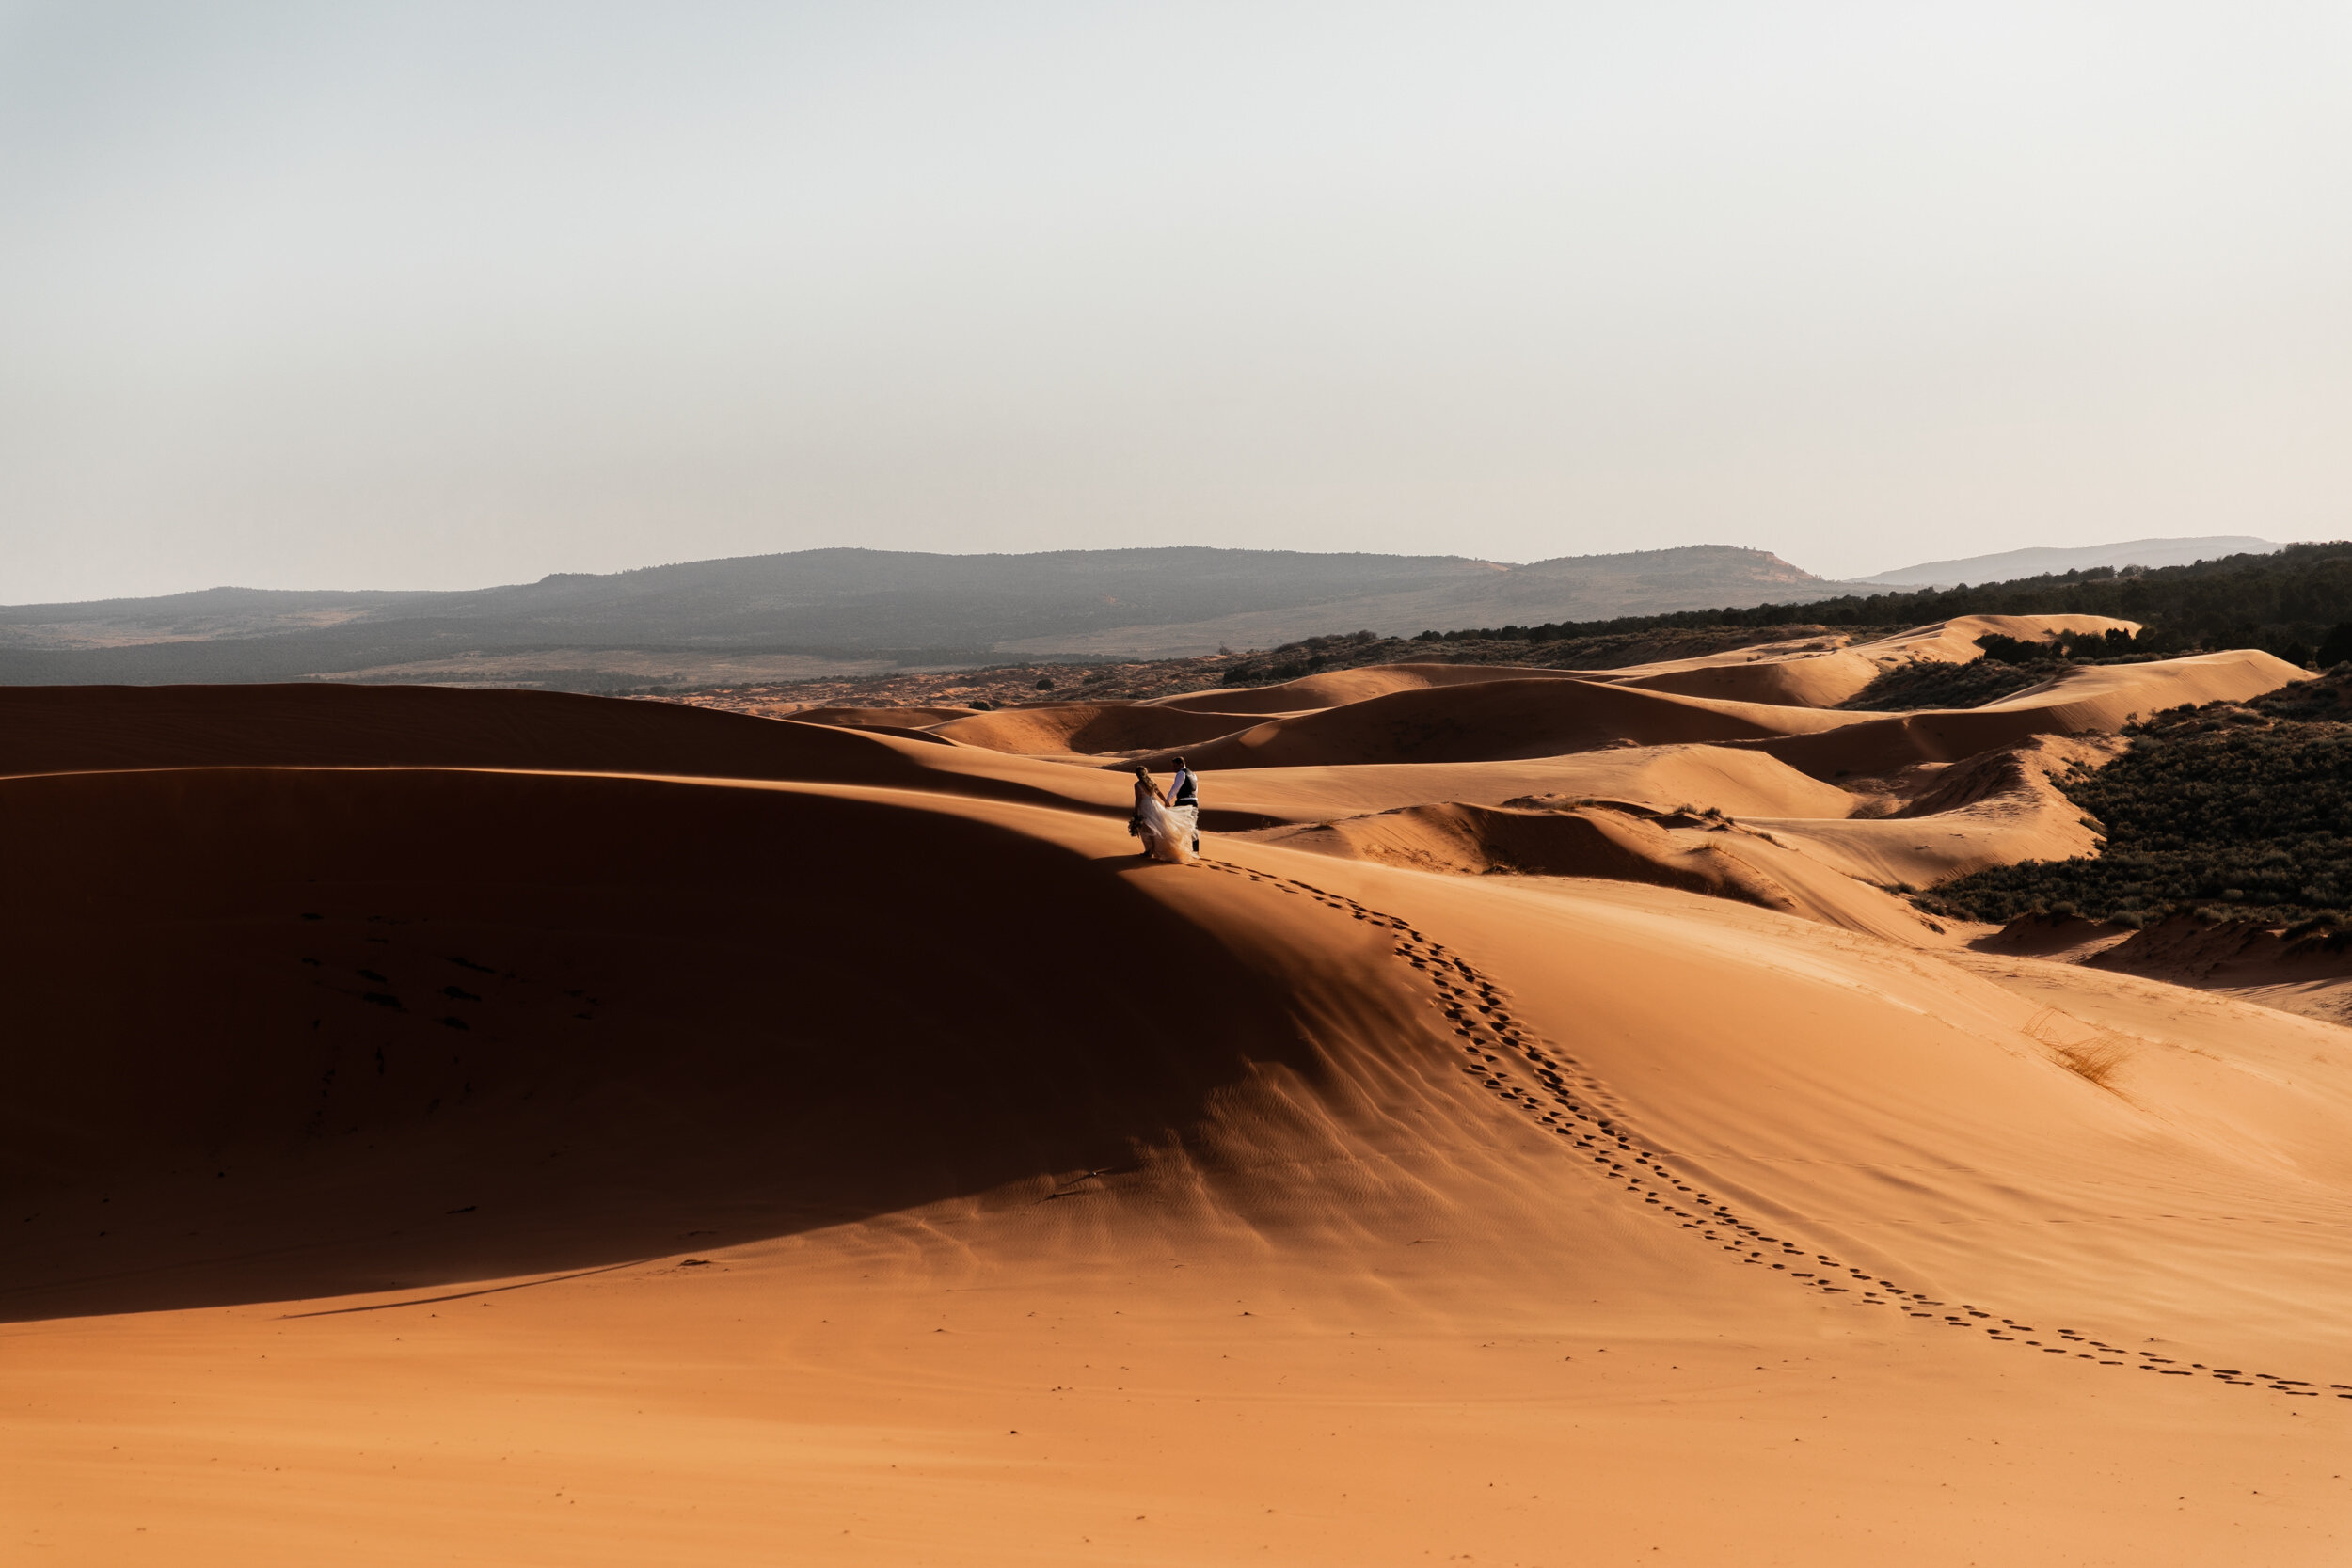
1167, 830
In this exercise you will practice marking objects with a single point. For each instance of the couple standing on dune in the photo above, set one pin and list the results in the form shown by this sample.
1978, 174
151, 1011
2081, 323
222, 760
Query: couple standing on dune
1169, 823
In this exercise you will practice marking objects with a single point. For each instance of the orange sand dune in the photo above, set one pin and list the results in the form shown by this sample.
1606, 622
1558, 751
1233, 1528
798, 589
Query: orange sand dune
1997, 808
1092, 727
1498, 721
1954, 642
886, 1166
1806, 676
1614, 844
1914, 819
882, 718
1514, 718
56, 729
2308, 972
1338, 688
1620, 842
1824, 671
1813, 672
1744, 783
1807, 672
551, 1001
2090, 697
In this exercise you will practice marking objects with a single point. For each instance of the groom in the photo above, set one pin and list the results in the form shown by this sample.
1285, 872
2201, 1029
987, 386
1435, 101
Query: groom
1184, 790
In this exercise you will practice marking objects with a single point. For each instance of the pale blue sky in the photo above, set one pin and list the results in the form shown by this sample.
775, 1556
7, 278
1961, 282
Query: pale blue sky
344, 294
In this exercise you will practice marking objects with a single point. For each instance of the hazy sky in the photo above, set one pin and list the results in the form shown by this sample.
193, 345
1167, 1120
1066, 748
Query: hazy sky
340, 294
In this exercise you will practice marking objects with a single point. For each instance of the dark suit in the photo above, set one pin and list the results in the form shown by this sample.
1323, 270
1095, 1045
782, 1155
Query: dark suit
1187, 792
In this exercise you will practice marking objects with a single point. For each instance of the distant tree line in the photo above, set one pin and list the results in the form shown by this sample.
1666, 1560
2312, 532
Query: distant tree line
2295, 603
1309, 657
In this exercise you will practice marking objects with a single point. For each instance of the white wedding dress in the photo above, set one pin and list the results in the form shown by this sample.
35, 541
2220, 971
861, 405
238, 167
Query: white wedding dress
1166, 832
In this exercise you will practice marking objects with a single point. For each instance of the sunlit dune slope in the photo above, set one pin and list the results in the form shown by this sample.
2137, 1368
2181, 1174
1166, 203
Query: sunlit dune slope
1744, 783
1995, 808
1954, 642
1815, 672
1623, 842
1873, 1089
1616, 844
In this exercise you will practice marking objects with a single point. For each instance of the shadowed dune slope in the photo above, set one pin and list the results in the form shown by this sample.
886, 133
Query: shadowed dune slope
1092, 727
1498, 721
881, 718
307, 1013
1337, 687
63, 729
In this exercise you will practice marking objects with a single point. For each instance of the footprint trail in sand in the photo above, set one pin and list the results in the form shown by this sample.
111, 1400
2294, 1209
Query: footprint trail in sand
1553, 1087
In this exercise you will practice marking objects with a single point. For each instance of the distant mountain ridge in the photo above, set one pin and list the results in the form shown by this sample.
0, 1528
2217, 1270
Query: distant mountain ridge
851, 604
2009, 565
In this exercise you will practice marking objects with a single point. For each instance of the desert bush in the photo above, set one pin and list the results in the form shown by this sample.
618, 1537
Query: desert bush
1927, 685
2231, 805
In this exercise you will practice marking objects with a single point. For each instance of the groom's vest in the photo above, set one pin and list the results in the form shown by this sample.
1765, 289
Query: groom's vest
1187, 791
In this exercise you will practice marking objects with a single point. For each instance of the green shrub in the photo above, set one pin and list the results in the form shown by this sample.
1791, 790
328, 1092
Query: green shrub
1934, 685
2235, 805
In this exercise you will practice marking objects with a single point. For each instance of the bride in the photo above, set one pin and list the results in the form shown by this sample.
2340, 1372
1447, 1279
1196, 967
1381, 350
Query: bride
1167, 831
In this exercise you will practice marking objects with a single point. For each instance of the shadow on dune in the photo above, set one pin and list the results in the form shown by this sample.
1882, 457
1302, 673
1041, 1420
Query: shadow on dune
1612, 840
279, 1034
1493, 720
1084, 728
71, 729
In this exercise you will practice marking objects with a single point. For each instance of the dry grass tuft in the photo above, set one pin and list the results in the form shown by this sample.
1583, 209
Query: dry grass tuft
2094, 1061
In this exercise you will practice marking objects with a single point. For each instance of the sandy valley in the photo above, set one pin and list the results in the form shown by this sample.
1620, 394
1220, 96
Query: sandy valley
507, 1127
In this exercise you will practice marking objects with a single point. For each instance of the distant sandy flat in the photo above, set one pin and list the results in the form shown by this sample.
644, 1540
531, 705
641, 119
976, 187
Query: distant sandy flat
504, 1128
